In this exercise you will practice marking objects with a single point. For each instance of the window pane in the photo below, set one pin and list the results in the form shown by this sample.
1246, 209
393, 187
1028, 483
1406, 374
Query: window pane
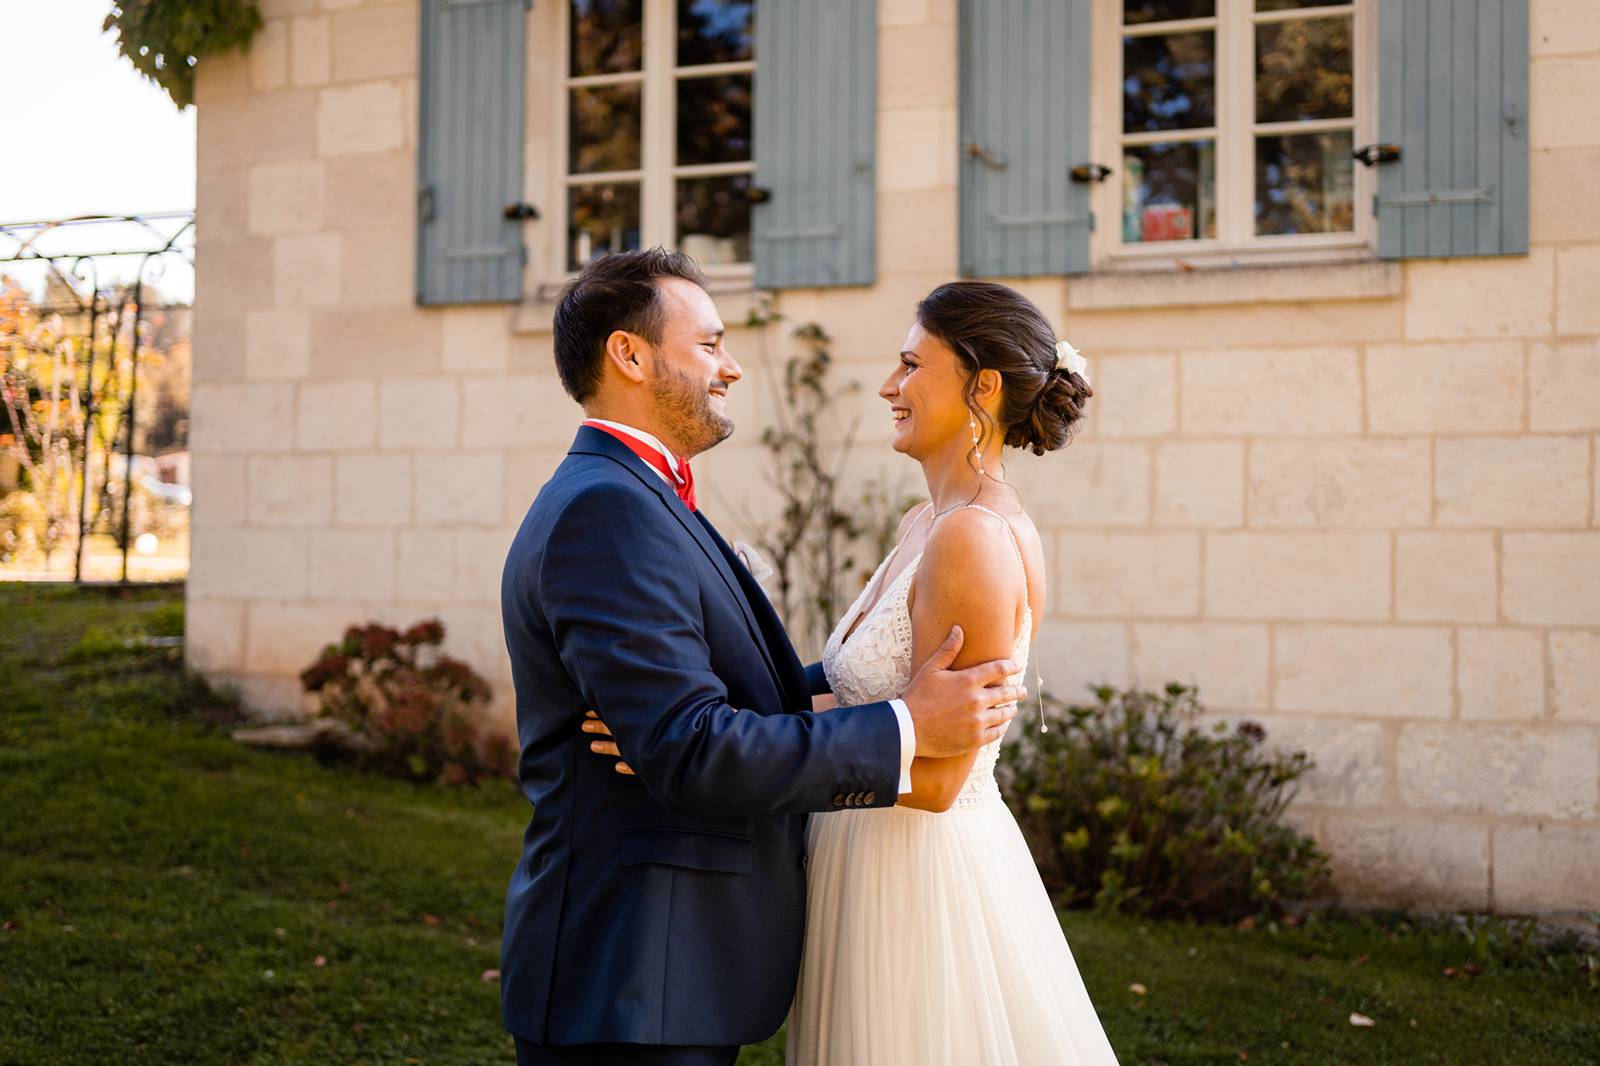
714, 219
1138, 11
1169, 192
1303, 70
1305, 183
714, 31
603, 129
714, 119
601, 218
1168, 81
1290, 5
607, 36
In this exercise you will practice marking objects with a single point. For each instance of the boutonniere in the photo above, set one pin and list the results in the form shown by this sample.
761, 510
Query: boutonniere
758, 567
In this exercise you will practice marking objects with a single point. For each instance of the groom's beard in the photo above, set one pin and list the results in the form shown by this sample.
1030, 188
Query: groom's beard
685, 405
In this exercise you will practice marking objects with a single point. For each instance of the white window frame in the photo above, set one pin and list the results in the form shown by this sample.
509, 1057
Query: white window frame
1236, 243
658, 170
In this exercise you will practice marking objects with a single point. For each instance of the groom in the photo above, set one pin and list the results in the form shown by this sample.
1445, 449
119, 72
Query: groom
662, 924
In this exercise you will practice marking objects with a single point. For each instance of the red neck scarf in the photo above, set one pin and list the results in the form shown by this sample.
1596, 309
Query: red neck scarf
681, 479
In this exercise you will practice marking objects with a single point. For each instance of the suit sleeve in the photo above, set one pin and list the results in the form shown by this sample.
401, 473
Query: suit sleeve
817, 680
624, 606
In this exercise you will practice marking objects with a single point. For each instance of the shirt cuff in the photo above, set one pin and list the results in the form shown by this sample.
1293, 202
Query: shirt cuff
908, 743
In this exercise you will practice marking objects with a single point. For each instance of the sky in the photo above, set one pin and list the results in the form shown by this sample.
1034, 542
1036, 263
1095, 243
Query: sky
96, 138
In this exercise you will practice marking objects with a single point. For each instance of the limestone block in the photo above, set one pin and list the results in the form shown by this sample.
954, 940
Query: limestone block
427, 565
291, 490
917, 148
906, 53
1551, 578
473, 632
527, 470
480, 556
1148, 575
1542, 869
222, 200
1134, 395
1295, 575
310, 51
1200, 483
218, 484
233, 273
1578, 287
372, 490
373, 189
286, 197
257, 127
1558, 89
1235, 326
1445, 577
375, 343
1539, 771
1343, 483
475, 338
1512, 481
1227, 662
1445, 388
253, 417
1348, 756
352, 119
1286, 392
213, 635
1558, 210
419, 412
352, 564
1500, 673
270, 697
516, 411
378, 266
458, 487
1092, 484
218, 345
917, 227
1563, 27
234, 563
1388, 671
1489, 296
1075, 657
1575, 666
269, 56
285, 638
375, 42
277, 343
1409, 862
337, 415
306, 269
1564, 386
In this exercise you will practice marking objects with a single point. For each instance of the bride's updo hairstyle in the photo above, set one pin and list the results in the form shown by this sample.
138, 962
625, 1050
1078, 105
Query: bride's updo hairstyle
992, 327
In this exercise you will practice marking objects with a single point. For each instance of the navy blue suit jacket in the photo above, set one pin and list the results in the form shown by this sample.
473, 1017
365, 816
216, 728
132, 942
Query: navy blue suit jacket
667, 908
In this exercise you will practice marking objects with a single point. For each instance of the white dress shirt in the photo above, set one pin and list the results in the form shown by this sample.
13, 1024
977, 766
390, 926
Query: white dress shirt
902, 714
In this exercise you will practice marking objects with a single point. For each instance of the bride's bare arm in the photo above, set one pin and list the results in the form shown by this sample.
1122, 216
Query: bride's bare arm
969, 577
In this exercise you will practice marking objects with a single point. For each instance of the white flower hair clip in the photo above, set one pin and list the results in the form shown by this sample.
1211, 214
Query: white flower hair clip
1067, 358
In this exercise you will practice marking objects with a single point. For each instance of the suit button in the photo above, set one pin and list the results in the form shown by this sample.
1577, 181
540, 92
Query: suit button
870, 798
855, 799
838, 799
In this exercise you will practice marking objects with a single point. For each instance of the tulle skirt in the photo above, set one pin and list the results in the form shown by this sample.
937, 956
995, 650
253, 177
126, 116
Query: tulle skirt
930, 941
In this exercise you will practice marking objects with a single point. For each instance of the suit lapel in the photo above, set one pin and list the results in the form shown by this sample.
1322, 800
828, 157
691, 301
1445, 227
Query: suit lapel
767, 620
593, 442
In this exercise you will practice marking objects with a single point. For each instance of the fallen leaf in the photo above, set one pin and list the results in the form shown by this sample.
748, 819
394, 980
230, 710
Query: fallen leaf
359, 1026
1360, 960
320, 961
430, 919
186, 870
1361, 1020
10, 925
1246, 923
1449, 971
344, 886
244, 849
1471, 968
1137, 989
490, 975
1244, 1056
1413, 1023
280, 932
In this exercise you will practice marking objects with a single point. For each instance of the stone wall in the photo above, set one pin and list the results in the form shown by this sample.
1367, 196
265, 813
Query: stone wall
1356, 503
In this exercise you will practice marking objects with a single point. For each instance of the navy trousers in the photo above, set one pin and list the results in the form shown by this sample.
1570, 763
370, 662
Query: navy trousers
531, 1054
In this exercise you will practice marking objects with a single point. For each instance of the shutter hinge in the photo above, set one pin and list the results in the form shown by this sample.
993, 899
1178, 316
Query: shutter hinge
522, 254
425, 203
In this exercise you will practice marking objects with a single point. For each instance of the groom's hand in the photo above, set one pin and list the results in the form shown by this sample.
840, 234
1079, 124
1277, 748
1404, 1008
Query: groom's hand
957, 711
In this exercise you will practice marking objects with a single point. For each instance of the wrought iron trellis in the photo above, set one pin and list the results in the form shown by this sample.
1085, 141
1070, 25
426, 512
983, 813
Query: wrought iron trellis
28, 234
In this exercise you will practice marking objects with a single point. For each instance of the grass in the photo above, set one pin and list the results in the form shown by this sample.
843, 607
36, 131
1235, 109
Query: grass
167, 896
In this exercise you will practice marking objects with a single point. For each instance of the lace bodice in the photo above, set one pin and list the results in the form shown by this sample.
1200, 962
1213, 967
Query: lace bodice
875, 663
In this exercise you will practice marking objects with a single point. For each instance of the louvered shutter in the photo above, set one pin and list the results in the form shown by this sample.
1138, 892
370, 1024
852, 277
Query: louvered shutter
469, 151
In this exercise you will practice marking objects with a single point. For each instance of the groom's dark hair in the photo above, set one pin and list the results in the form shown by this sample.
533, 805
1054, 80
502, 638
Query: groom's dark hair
615, 291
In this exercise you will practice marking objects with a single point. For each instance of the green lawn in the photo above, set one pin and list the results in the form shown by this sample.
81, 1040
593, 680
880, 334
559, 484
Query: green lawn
167, 896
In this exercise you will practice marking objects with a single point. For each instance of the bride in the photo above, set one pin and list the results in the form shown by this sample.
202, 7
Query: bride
930, 938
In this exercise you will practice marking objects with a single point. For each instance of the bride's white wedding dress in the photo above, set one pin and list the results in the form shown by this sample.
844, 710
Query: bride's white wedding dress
929, 937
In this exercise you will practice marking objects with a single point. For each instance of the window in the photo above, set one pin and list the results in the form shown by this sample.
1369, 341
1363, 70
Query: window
1229, 126
657, 121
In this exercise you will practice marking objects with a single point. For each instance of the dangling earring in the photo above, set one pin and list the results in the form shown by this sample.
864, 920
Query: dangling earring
977, 443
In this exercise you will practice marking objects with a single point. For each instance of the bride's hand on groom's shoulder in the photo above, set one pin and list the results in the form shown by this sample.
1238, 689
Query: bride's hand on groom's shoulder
957, 711
593, 724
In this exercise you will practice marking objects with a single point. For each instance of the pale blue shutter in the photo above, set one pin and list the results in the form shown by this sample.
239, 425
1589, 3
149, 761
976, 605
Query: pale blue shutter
469, 151
1453, 96
1024, 126
816, 89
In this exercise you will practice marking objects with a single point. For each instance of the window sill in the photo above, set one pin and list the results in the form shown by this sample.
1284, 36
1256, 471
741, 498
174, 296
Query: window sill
1368, 279
737, 299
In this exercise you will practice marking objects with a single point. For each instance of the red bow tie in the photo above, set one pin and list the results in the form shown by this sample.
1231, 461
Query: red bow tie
681, 479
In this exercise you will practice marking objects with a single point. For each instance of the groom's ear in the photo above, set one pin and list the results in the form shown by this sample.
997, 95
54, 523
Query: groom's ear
626, 352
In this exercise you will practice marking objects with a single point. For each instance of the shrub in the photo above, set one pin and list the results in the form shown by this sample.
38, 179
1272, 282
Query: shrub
1135, 805
408, 705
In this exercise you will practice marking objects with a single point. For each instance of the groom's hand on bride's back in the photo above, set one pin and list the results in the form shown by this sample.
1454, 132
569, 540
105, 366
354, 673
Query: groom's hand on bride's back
957, 711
